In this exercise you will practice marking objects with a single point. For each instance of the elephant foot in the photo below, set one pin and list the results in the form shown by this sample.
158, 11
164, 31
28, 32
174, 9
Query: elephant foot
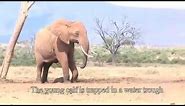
73, 81
67, 82
45, 81
38, 80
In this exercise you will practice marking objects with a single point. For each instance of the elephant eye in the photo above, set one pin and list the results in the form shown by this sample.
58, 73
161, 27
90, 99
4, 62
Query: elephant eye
76, 34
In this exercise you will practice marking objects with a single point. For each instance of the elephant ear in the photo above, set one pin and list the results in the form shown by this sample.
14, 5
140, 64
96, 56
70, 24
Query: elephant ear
60, 29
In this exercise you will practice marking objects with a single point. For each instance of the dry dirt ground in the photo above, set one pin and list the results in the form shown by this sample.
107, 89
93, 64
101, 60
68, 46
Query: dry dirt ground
157, 84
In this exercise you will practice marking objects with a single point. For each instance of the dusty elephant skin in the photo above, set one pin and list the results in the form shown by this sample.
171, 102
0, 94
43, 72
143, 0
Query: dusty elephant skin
55, 43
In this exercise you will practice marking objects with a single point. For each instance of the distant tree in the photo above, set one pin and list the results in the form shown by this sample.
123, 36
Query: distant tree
120, 34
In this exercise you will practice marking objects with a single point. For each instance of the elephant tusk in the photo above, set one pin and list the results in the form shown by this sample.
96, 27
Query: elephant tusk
85, 52
93, 52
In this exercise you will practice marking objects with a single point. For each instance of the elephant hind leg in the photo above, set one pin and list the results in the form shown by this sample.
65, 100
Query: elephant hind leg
39, 71
45, 72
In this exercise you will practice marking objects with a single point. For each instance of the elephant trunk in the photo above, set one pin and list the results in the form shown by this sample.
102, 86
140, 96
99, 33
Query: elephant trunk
85, 49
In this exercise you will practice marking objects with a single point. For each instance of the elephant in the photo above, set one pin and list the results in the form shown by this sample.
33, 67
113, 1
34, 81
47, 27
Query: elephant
55, 44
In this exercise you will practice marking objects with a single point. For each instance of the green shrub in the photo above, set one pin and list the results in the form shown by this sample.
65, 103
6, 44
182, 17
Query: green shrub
23, 57
100, 55
127, 56
163, 58
177, 61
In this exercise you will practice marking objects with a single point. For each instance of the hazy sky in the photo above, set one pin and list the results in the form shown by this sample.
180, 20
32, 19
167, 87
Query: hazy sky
161, 23
152, 4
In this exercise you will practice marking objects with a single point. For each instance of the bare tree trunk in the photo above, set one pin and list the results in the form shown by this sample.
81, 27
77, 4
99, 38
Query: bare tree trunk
25, 6
113, 59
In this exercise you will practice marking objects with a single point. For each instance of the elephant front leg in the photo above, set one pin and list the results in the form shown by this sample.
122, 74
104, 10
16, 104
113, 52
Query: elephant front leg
74, 73
73, 69
63, 60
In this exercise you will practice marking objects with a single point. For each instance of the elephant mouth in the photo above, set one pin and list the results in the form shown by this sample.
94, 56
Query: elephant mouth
75, 41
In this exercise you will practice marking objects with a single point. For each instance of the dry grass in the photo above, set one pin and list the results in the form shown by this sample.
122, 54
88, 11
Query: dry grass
170, 77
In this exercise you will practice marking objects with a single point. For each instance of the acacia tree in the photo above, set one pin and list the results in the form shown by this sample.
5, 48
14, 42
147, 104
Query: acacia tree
25, 7
118, 35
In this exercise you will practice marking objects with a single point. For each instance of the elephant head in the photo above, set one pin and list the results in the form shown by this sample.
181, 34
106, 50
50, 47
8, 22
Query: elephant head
74, 32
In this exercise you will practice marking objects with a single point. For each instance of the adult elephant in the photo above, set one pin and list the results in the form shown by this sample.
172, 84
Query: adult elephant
55, 43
